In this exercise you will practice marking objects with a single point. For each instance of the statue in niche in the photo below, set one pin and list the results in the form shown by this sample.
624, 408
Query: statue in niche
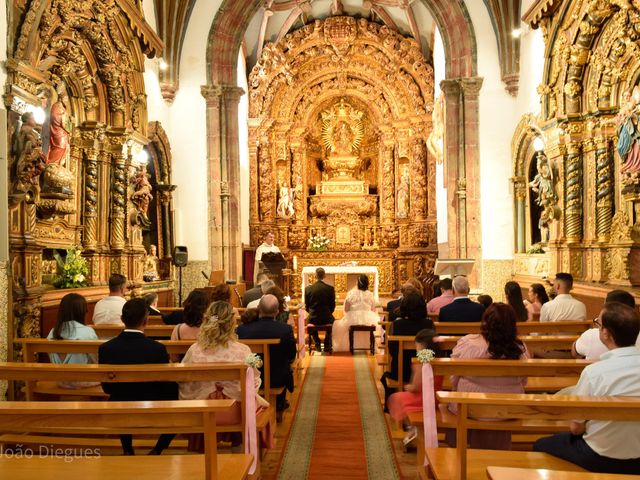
342, 134
628, 134
150, 266
543, 186
403, 193
436, 137
285, 202
27, 149
142, 195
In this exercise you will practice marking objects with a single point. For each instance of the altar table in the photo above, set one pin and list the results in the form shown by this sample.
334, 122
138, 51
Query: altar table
343, 277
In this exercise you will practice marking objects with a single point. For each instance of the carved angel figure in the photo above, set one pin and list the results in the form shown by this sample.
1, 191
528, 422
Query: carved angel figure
28, 153
142, 195
542, 184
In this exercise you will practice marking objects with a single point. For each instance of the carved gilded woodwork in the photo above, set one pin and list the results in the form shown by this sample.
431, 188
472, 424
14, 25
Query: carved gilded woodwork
338, 108
604, 189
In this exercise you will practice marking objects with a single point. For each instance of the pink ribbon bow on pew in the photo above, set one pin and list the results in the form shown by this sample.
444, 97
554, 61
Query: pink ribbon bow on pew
250, 433
428, 410
302, 349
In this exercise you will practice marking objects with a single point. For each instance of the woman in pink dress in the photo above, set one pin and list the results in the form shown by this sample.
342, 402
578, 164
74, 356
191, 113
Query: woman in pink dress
498, 340
537, 297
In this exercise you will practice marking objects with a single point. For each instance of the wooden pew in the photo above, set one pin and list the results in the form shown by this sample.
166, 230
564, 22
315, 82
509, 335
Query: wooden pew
155, 331
33, 347
464, 463
524, 328
193, 416
509, 473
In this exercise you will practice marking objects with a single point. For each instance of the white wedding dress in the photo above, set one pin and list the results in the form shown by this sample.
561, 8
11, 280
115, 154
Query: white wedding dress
359, 309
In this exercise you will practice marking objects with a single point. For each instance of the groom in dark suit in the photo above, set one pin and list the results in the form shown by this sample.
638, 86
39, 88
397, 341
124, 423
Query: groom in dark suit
133, 347
320, 302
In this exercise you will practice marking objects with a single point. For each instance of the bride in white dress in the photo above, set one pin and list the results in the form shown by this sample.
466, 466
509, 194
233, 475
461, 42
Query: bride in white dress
359, 309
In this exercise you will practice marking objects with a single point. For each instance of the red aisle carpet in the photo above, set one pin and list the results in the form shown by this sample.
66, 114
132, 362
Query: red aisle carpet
338, 448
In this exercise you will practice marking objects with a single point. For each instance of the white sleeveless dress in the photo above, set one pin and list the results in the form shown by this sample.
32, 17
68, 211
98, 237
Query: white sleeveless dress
359, 310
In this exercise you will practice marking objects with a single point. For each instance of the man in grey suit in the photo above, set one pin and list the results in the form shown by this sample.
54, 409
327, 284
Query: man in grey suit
320, 302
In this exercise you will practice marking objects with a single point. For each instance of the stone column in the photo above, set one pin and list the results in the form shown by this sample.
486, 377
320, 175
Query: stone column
573, 193
520, 193
212, 95
165, 197
462, 158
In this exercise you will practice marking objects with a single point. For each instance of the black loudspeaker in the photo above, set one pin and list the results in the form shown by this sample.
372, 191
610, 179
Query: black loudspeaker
180, 256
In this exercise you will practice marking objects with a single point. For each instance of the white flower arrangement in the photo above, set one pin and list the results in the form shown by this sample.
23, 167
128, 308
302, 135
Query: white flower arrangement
253, 360
318, 243
425, 355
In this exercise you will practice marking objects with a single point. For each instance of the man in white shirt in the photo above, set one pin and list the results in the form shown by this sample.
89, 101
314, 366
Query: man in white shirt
266, 247
564, 306
264, 287
589, 345
108, 311
606, 446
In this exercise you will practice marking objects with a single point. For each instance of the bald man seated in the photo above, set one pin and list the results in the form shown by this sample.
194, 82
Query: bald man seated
283, 354
461, 309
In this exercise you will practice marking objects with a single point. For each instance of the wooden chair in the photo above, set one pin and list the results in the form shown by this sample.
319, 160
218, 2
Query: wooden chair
99, 418
463, 463
363, 328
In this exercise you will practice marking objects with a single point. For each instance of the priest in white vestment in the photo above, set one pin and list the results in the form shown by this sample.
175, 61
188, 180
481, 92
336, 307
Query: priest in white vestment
266, 247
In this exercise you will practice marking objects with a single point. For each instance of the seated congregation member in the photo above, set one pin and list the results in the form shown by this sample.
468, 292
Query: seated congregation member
589, 345
412, 320
256, 292
268, 326
193, 316
412, 284
264, 288
606, 446
132, 347
485, 300
513, 293
283, 303
461, 309
405, 402
359, 309
537, 297
497, 340
70, 326
392, 305
196, 304
320, 302
218, 343
151, 299
445, 298
564, 306
249, 315
108, 311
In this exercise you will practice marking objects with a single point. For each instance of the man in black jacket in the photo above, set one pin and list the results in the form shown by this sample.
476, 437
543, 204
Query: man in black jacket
462, 309
320, 302
129, 348
256, 292
282, 354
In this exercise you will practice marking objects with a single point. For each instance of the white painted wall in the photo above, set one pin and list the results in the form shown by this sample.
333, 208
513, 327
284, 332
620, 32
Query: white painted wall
439, 66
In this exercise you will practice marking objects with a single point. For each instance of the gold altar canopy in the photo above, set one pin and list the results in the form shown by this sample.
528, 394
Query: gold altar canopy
340, 114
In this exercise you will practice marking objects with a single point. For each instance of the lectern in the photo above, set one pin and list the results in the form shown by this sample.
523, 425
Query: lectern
272, 264
454, 266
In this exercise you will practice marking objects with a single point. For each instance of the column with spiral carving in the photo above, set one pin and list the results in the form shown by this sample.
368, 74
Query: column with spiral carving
266, 187
573, 193
298, 168
388, 204
604, 189
90, 233
419, 180
118, 200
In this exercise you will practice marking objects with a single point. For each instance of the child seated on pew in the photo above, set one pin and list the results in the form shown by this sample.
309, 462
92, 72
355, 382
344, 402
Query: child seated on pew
70, 326
401, 404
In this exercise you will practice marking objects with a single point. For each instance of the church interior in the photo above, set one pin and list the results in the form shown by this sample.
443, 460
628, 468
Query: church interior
188, 149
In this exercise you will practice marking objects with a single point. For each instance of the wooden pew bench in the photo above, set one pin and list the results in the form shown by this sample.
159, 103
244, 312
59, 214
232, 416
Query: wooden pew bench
194, 416
509, 473
172, 372
464, 463
524, 328
542, 372
34, 347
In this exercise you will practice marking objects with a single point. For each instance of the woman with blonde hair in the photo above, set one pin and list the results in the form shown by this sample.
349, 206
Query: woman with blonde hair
217, 342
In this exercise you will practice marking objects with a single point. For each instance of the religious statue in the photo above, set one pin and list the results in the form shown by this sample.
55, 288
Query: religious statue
285, 202
342, 134
628, 134
403, 193
27, 150
142, 195
542, 184
150, 266
58, 134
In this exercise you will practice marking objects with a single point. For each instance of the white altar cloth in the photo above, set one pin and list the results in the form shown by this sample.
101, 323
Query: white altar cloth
351, 270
